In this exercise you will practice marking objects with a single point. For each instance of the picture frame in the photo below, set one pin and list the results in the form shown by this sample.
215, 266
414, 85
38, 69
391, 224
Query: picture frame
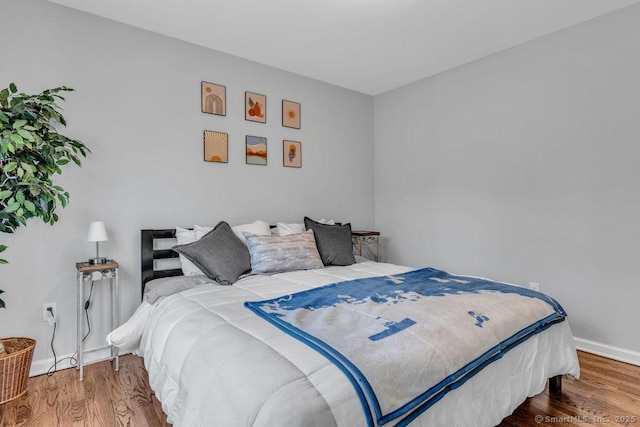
291, 114
216, 146
255, 107
256, 150
291, 154
213, 98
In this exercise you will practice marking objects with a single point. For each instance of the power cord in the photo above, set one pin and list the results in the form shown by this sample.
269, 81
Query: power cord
87, 304
73, 359
53, 337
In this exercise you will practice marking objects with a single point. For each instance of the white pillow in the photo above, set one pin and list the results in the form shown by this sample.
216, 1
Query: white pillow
326, 221
184, 237
258, 228
200, 230
285, 229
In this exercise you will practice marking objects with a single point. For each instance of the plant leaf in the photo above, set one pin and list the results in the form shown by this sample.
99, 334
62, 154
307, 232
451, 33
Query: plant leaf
19, 123
13, 207
9, 167
26, 135
17, 139
30, 206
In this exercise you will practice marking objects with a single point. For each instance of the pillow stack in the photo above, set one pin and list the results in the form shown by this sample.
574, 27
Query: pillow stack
225, 253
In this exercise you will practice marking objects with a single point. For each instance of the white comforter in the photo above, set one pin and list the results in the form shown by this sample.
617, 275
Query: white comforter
212, 362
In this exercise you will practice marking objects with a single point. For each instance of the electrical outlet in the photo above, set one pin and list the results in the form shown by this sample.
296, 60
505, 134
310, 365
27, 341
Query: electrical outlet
45, 312
535, 286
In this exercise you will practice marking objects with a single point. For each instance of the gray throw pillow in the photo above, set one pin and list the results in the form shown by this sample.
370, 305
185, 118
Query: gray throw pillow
220, 254
333, 241
277, 254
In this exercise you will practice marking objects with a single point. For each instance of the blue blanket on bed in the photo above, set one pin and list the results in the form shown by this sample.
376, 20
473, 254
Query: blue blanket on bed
406, 340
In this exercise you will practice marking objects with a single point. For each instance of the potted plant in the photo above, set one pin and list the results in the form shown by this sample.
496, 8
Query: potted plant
32, 151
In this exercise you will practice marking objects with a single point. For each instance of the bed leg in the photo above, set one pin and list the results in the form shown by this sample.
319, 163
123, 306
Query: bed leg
555, 384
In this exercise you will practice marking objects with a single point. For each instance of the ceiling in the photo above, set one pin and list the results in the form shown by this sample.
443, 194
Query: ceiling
369, 46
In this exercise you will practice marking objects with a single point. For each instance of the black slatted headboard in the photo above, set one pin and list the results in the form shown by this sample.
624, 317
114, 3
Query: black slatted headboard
149, 255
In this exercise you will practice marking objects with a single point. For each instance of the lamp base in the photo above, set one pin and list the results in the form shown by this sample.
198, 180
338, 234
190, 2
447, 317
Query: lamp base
97, 260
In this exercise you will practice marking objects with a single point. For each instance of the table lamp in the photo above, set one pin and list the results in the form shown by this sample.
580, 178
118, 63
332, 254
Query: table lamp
97, 233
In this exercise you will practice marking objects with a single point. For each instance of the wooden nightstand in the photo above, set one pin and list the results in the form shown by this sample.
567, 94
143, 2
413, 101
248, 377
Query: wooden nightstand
93, 272
361, 237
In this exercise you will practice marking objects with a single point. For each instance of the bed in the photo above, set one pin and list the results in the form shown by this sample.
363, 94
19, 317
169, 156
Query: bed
215, 355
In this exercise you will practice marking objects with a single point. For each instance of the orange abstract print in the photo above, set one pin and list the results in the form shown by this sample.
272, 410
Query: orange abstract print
290, 114
292, 154
255, 107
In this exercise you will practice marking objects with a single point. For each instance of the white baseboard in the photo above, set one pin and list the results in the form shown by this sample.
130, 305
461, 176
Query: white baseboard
39, 367
609, 351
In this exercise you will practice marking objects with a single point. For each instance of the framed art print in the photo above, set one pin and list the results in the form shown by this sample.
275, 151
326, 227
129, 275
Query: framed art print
214, 99
256, 150
292, 154
216, 146
255, 107
290, 114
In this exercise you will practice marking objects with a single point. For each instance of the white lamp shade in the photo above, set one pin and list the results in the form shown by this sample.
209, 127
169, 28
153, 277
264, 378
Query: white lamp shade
97, 232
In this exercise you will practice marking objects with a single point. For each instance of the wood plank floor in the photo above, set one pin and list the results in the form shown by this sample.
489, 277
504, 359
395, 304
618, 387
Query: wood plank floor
608, 393
104, 398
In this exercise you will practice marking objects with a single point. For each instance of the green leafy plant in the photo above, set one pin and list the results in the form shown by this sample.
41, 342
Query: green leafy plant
32, 151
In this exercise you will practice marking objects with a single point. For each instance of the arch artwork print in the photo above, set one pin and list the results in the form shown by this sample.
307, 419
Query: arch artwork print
292, 154
214, 99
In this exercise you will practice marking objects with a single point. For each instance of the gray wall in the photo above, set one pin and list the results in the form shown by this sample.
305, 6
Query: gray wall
137, 106
521, 166
524, 167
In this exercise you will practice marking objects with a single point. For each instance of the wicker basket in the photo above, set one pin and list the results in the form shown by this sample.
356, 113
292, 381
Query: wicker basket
14, 367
